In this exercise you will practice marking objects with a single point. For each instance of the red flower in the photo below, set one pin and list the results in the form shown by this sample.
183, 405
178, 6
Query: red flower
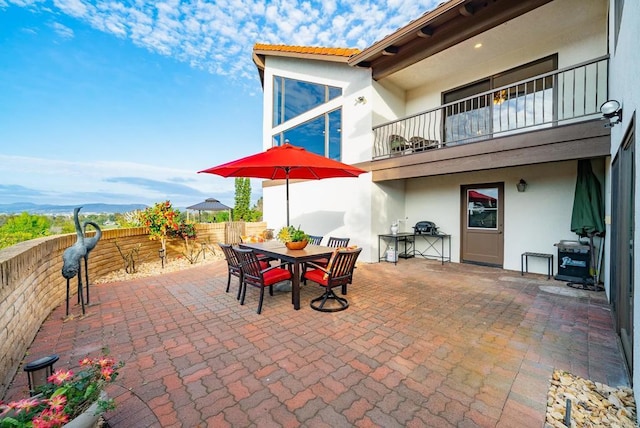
106, 373
50, 419
25, 405
106, 362
57, 403
60, 376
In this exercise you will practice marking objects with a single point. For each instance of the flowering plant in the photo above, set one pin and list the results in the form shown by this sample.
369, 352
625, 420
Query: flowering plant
291, 234
162, 220
65, 396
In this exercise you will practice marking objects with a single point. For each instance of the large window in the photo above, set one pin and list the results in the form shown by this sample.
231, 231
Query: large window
293, 97
322, 134
509, 107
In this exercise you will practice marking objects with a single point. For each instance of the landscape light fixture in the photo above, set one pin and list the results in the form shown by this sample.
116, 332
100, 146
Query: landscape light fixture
162, 254
522, 185
38, 371
611, 110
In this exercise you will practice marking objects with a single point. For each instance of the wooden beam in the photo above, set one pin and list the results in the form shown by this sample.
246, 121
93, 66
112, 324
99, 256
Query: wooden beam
425, 32
467, 10
390, 50
451, 33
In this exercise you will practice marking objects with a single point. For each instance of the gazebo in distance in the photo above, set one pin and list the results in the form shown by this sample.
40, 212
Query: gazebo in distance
210, 204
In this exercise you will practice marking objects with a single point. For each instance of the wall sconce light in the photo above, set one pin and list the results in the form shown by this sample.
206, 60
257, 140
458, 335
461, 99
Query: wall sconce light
361, 100
38, 371
521, 185
611, 110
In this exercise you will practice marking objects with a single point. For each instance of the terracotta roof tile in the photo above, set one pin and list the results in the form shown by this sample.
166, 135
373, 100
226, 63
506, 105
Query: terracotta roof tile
314, 50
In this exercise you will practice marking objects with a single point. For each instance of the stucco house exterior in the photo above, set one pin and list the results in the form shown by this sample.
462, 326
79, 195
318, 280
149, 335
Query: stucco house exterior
452, 112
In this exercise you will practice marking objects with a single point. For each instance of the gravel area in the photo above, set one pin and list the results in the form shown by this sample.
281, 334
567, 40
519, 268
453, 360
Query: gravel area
593, 404
155, 268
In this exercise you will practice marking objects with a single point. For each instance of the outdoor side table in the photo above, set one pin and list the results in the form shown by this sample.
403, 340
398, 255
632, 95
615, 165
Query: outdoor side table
524, 262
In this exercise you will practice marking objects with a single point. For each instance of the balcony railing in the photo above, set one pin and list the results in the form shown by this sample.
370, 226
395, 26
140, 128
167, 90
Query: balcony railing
568, 95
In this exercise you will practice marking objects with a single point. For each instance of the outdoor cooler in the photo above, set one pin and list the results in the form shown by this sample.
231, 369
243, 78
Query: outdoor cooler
573, 261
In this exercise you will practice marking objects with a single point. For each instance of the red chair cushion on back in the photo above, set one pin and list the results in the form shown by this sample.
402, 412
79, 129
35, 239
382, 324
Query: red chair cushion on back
276, 275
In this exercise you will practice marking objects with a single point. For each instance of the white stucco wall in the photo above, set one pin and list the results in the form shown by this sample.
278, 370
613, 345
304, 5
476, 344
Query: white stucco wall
331, 207
534, 220
623, 83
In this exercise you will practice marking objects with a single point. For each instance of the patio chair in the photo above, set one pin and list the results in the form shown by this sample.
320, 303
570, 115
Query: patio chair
233, 267
337, 242
420, 144
338, 273
333, 242
315, 240
255, 274
398, 144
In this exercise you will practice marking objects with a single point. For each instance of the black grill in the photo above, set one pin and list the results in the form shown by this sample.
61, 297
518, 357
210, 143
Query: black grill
425, 228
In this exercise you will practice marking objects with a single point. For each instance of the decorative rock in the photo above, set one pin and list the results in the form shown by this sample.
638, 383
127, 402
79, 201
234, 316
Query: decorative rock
593, 404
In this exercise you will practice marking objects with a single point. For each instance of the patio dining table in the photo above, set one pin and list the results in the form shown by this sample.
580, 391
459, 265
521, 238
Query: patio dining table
278, 250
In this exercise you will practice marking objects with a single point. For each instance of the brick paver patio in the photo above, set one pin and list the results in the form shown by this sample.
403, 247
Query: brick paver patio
422, 344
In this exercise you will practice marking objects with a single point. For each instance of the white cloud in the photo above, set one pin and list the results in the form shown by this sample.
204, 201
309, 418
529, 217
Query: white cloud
76, 8
218, 36
62, 30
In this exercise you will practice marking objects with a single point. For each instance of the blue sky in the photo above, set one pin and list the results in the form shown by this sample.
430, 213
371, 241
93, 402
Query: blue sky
123, 102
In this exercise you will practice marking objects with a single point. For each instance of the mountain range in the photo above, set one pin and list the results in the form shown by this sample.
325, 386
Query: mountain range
31, 208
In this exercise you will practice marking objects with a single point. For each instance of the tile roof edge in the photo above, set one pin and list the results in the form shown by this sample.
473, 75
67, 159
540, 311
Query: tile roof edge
305, 51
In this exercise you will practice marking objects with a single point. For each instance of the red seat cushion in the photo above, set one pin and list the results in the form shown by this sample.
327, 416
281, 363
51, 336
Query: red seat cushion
276, 275
316, 275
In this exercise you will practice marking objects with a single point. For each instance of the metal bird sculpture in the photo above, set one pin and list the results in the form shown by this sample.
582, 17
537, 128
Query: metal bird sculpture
89, 244
71, 259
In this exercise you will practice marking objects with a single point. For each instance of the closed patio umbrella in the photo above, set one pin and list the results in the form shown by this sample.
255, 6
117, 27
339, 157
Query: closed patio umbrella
588, 210
587, 219
285, 162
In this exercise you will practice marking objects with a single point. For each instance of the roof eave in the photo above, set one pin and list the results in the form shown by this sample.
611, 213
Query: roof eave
260, 54
407, 31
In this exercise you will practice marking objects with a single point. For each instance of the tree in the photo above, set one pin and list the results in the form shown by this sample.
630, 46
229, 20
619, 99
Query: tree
129, 219
161, 219
243, 199
256, 211
23, 227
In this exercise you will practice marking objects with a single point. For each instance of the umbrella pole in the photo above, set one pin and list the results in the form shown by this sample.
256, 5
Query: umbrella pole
287, 170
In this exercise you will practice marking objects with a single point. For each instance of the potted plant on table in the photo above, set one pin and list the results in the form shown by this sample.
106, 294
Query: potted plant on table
68, 398
294, 239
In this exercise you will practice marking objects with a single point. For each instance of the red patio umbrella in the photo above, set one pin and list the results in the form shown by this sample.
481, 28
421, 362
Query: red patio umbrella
285, 162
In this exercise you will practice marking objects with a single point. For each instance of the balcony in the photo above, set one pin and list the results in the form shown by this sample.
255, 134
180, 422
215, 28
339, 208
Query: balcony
568, 96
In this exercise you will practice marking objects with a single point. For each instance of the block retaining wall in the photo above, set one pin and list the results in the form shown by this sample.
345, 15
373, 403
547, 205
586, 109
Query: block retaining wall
32, 285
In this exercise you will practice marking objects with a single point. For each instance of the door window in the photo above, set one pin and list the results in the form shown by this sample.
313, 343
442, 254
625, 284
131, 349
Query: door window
482, 208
